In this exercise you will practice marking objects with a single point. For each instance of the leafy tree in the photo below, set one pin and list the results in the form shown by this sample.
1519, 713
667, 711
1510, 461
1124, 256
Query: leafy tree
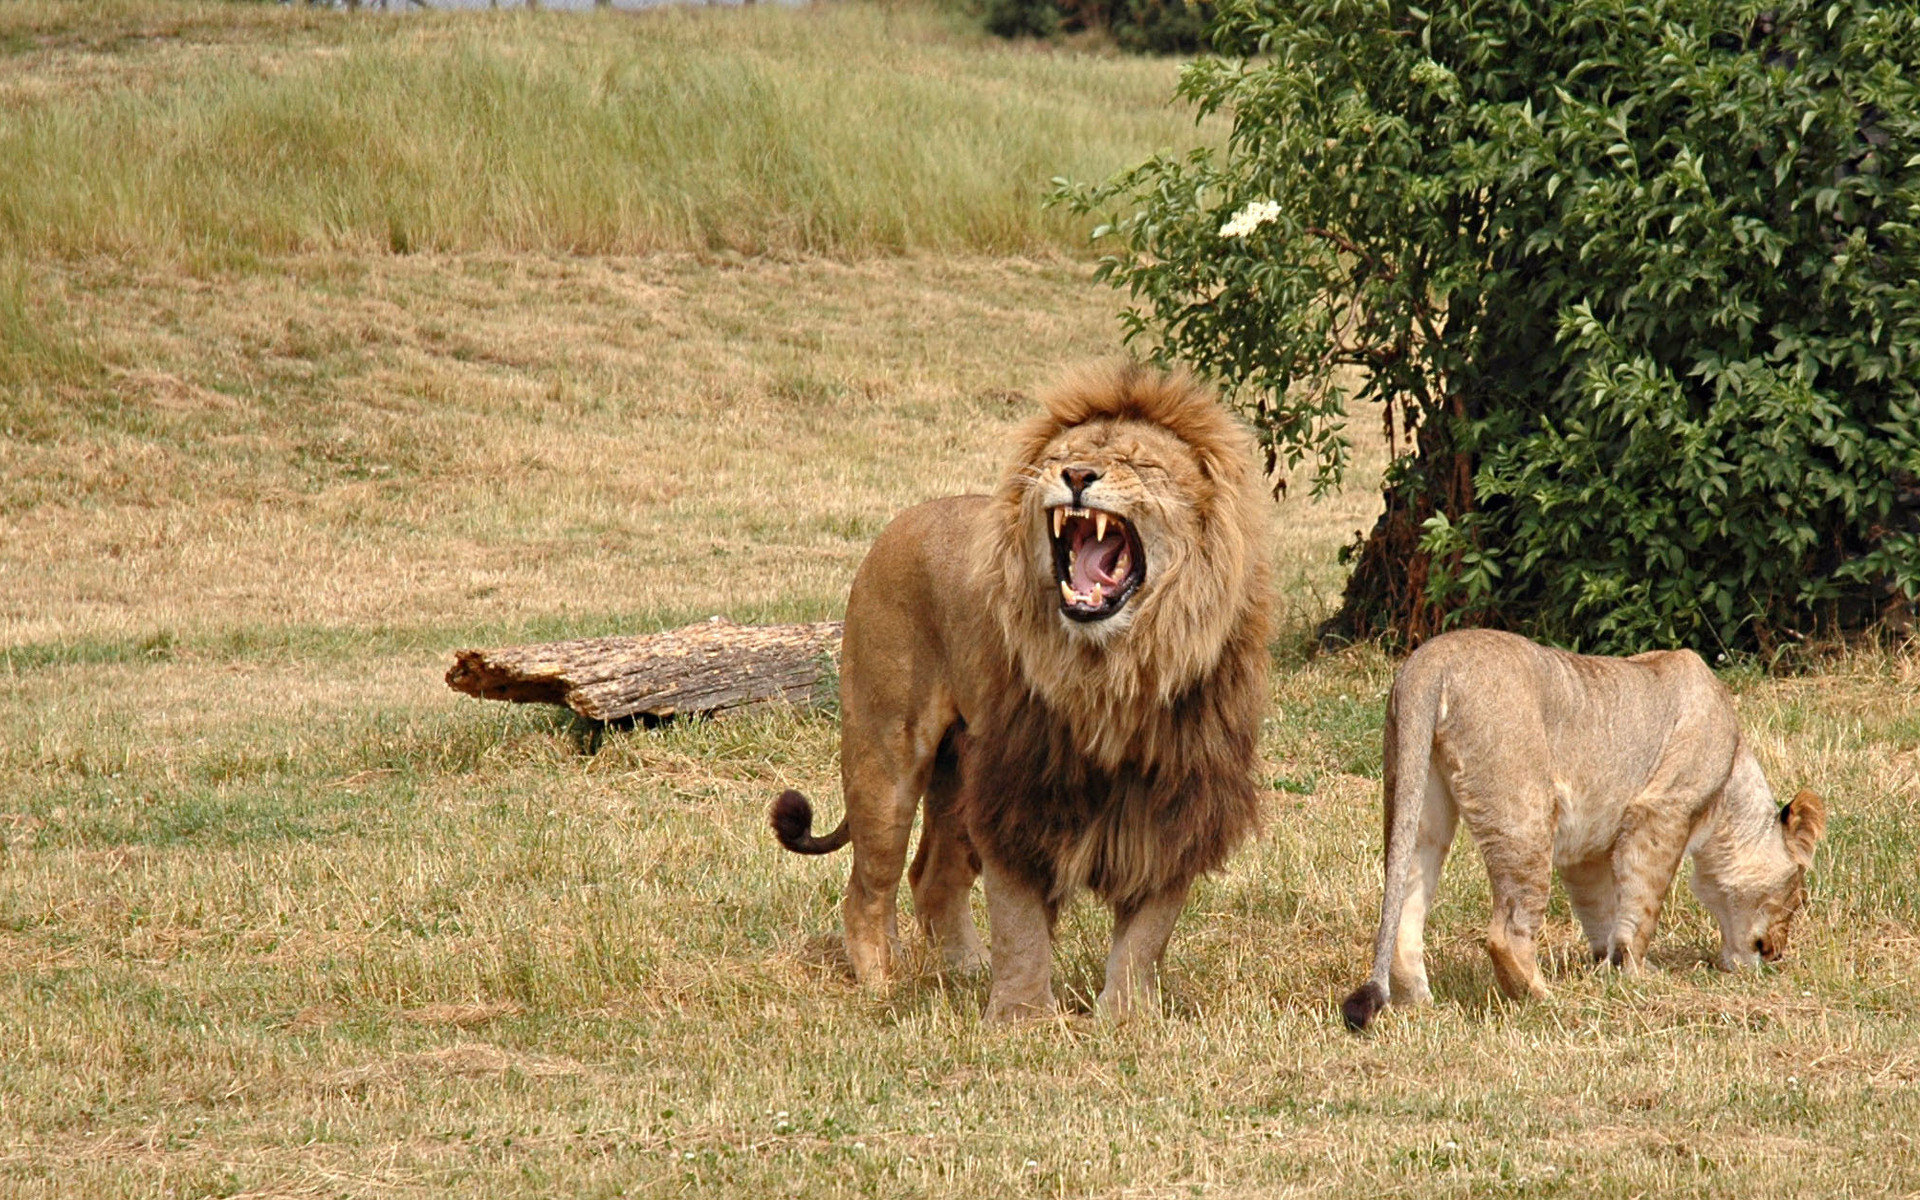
1641, 281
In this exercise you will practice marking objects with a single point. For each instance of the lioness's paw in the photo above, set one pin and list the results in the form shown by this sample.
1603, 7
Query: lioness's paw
1406, 995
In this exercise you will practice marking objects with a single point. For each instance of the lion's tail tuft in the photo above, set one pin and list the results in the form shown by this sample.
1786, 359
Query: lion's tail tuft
792, 821
1367, 1000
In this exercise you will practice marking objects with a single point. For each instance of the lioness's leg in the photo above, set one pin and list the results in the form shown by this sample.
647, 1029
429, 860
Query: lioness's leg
1510, 943
1139, 942
1519, 854
1408, 974
943, 872
1591, 889
1644, 861
1021, 922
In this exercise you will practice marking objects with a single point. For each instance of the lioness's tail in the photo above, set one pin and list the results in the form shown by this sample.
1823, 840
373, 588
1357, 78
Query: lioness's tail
792, 821
1412, 710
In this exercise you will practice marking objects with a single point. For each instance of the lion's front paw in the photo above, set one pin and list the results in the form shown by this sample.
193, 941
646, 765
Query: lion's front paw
965, 964
1120, 1003
964, 957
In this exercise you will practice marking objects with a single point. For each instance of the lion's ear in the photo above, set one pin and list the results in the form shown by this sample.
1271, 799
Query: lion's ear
1803, 820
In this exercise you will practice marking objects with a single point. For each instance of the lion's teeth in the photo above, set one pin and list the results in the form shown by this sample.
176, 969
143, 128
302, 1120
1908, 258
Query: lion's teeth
1066, 592
1099, 526
1123, 564
1098, 597
1059, 519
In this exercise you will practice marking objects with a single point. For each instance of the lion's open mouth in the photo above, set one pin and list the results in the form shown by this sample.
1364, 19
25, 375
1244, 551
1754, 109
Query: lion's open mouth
1097, 560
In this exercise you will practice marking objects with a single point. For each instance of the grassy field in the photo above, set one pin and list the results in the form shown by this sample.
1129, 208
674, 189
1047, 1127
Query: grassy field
283, 916
211, 135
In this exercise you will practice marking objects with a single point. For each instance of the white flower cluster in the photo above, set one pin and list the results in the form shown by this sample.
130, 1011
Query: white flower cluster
1250, 218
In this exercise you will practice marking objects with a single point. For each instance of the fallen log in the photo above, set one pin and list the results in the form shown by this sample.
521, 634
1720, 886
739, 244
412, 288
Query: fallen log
696, 670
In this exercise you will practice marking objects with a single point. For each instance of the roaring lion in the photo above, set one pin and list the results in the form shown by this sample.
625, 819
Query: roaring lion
1072, 672
1611, 770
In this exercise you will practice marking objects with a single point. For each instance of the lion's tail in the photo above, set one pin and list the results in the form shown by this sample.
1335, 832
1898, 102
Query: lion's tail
1412, 711
792, 821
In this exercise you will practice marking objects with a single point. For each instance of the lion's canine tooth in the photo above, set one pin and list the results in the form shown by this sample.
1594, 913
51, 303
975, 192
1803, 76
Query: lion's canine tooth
1066, 592
1059, 519
1099, 526
1098, 597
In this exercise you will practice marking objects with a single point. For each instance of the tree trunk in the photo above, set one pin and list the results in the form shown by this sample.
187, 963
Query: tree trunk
696, 670
1386, 593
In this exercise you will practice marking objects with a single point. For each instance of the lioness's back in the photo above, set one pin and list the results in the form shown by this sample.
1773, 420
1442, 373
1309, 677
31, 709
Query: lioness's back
1496, 684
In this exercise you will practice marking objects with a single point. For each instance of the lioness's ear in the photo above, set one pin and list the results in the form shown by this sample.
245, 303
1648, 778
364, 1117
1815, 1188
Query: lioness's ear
1803, 820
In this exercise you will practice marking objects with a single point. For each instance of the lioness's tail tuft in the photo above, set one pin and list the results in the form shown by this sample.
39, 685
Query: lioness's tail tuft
792, 821
1359, 1008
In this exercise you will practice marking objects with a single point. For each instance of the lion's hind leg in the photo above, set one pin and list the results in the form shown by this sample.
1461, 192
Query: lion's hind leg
883, 785
944, 869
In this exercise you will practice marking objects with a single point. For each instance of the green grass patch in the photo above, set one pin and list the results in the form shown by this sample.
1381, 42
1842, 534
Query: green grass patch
840, 129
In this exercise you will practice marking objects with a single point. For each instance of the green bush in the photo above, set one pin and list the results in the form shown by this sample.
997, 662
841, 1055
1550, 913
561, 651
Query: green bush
1141, 26
1021, 18
1642, 279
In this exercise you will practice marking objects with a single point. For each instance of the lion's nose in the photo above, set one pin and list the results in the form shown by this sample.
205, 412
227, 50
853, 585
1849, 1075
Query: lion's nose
1079, 479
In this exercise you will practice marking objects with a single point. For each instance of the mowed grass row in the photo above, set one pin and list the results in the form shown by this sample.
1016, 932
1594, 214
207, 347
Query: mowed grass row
844, 129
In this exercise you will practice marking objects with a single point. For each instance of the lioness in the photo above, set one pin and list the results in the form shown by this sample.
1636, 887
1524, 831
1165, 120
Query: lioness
1072, 672
1609, 769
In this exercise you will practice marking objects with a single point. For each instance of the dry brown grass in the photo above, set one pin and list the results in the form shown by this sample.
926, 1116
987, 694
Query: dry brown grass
282, 916
407, 442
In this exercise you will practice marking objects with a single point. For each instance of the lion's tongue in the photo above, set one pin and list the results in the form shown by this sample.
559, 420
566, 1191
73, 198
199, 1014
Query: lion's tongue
1093, 561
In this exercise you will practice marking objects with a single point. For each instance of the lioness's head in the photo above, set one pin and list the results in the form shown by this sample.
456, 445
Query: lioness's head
1755, 882
1127, 538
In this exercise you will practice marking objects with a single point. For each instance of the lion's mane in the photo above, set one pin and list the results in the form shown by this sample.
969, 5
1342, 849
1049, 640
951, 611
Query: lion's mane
1125, 765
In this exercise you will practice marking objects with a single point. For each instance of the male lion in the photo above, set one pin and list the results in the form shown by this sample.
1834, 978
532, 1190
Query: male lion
1610, 769
1072, 671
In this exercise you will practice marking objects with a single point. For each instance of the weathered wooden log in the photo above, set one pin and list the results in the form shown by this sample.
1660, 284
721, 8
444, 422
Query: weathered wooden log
695, 670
